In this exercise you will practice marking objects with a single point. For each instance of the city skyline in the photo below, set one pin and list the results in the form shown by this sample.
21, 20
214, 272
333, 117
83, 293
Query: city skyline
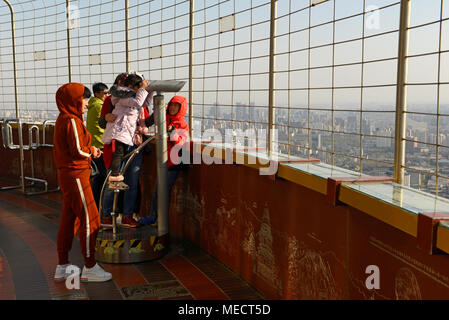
335, 60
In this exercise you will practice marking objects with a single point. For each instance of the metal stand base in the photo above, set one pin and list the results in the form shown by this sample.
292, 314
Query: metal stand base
45, 187
130, 245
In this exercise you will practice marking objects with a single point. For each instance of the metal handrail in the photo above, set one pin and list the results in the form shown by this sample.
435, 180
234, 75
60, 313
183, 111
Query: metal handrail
131, 156
33, 144
7, 140
7, 136
44, 126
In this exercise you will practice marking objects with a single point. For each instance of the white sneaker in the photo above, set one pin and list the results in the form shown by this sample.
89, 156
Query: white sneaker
61, 271
118, 220
95, 274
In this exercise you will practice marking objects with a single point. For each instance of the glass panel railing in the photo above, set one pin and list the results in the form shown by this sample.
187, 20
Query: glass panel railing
413, 201
323, 170
445, 224
263, 155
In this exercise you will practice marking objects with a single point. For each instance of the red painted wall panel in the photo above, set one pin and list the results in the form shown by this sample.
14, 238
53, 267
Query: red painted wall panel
289, 243
406, 272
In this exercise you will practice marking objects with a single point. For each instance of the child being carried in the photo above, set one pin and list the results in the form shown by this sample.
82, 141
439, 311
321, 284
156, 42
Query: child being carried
121, 133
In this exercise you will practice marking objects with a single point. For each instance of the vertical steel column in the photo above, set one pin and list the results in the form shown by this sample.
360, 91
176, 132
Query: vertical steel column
114, 214
127, 33
14, 57
401, 92
192, 5
69, 55
437, 142
271, 110
19, 122
162, 164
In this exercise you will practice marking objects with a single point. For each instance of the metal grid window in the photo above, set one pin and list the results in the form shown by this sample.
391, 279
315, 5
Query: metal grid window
6, 66
427, 113
230, 68
325, 74
41, 54
97, 41
331, 69
159, 40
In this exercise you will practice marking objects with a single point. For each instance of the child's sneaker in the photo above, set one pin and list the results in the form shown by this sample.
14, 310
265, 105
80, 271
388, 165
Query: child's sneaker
129, 222
149, 220
95, 274
116, 178
61, 271
117, 185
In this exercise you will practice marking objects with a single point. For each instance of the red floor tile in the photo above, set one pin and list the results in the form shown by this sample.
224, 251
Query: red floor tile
124, 275
200, 286
7, 184
23, 202
43, 248
6, 282
55, 196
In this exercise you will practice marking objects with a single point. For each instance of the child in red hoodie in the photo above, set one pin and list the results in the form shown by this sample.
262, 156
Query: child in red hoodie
72, 153
178, 131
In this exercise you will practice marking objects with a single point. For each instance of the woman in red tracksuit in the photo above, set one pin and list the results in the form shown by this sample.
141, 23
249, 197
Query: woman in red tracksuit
72, 153
178, 131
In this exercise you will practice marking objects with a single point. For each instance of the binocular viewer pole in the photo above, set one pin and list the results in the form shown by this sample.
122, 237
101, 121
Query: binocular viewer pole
162, 164
161, 149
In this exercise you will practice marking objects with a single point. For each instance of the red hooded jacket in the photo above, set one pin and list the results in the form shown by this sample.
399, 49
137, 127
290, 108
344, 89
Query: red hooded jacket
180, 135
71, 140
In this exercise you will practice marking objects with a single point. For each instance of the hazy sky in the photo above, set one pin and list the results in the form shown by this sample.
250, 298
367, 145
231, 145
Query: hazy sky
155, 23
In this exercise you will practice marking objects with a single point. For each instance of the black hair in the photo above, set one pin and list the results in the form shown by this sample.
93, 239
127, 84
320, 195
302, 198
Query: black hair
132, 80
120, 77
99, 87
87, 93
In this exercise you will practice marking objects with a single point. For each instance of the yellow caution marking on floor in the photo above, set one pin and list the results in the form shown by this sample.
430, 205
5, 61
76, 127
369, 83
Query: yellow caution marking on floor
109, 250
159, 247
135, 243
136, 250
118, 243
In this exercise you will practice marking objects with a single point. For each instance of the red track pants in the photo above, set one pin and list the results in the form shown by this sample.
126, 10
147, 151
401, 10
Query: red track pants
79, 212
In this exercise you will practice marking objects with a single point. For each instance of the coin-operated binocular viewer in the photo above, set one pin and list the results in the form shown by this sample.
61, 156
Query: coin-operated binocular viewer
129, 245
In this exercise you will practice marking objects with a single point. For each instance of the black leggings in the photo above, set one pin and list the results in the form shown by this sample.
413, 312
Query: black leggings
117, 158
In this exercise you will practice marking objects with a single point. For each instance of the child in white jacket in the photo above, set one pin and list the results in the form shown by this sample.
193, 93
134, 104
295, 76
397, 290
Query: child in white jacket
127, 102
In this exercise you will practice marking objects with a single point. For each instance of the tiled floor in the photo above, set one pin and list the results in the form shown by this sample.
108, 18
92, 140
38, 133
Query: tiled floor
28, 229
